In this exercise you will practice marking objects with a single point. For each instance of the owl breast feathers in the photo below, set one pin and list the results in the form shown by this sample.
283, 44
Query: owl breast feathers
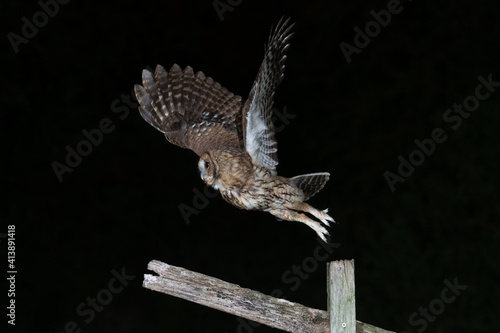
234, 139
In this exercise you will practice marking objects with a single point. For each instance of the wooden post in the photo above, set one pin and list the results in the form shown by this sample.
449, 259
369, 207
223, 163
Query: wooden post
341, 296
253, 305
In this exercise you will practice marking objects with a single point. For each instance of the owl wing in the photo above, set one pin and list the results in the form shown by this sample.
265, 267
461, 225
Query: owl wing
193, 111
258, 129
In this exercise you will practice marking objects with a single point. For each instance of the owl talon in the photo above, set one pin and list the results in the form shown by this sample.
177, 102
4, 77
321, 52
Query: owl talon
324, 217
319, 214
291, 215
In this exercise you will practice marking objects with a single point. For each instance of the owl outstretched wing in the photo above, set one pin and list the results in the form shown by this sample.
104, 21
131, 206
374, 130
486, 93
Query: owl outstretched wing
258, 129
192, 110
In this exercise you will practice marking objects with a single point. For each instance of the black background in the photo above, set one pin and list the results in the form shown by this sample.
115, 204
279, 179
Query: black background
119, 208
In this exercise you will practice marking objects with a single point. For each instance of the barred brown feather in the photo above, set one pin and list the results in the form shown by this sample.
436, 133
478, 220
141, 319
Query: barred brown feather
193, 111
258, 128
311, 183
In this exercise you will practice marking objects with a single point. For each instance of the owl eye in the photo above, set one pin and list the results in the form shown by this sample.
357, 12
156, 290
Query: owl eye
207, 164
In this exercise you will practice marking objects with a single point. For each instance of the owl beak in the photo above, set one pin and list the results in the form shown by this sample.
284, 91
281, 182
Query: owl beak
207, 179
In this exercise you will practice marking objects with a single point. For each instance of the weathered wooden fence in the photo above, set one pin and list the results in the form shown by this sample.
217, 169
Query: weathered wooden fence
274, 312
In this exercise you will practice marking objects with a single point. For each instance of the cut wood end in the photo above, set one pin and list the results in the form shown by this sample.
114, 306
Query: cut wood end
158, 266
149, 280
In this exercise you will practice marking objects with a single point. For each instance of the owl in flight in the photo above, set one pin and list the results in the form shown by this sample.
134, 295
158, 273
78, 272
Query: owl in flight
234, 138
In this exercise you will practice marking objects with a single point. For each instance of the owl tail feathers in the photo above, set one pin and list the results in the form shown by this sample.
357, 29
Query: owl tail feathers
311, 183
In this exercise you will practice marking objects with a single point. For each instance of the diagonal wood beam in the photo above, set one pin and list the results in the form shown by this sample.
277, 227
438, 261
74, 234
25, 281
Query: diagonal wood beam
231, 298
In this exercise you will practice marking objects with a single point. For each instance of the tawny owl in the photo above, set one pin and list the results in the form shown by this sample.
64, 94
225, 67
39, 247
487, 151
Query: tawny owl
234, 139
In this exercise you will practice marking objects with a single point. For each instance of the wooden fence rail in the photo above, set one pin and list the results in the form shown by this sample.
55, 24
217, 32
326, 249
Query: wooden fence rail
253, 305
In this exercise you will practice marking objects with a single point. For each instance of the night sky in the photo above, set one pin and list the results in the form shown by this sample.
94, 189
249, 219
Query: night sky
404, 116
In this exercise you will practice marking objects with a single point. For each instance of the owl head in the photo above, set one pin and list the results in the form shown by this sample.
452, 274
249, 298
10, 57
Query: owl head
208, 169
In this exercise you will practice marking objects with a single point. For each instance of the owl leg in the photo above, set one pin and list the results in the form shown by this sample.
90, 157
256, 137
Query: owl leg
321, 215
291, 215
